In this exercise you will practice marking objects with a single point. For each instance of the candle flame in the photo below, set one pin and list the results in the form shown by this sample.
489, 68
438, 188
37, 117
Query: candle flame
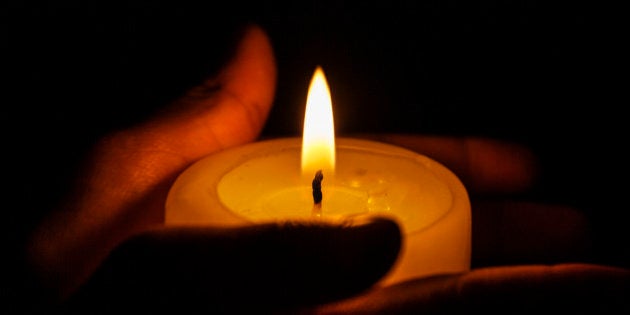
318, 139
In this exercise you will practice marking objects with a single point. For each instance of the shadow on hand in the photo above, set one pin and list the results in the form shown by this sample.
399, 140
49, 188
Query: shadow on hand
262, 267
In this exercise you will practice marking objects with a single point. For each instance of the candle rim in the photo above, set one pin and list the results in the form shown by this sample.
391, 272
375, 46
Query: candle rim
454, 185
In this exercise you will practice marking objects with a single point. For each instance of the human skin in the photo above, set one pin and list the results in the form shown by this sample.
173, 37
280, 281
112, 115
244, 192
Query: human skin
108, 240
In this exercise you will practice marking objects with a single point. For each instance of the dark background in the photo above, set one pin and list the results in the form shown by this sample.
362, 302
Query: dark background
540, 73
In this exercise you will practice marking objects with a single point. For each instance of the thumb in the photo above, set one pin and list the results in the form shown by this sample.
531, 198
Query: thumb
124, 181
226, 110
262, 267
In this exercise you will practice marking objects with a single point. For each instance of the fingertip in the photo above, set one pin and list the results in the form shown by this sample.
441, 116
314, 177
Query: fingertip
484, 165
245, 92
225, 110
347, 257
381, 239
251, 74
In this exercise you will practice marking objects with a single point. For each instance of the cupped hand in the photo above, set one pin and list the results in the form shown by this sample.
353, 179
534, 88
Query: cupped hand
106, 248
527, 257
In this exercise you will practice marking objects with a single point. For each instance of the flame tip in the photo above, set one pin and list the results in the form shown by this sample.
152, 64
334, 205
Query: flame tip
318, 139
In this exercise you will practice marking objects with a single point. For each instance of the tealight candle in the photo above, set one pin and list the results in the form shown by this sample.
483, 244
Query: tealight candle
275, 180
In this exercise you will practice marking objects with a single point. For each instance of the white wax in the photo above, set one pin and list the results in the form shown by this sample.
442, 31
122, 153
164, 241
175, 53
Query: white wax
262, 182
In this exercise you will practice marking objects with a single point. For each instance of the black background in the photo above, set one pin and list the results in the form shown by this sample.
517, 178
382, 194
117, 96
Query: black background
540, 73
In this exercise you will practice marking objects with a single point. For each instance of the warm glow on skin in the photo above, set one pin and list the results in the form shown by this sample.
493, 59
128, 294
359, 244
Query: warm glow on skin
318, 140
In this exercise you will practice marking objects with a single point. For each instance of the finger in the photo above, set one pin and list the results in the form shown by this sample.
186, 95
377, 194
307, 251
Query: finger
123, 186
226, 110
258, 268
535, 289
506, 232
483, 165
511, 232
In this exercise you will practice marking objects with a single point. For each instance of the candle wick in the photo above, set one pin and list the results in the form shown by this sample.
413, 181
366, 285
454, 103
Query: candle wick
317, 187
317, 194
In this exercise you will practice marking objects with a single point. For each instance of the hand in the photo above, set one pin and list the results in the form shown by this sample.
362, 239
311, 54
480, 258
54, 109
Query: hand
106, 246
525, 255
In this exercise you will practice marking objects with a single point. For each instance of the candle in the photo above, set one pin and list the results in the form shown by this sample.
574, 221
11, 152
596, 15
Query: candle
280, 180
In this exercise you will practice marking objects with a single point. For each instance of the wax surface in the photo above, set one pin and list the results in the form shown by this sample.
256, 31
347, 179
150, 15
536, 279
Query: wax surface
366, 181
263, 182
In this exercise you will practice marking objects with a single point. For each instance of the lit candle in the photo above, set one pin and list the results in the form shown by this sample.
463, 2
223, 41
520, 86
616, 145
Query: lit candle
276, 180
